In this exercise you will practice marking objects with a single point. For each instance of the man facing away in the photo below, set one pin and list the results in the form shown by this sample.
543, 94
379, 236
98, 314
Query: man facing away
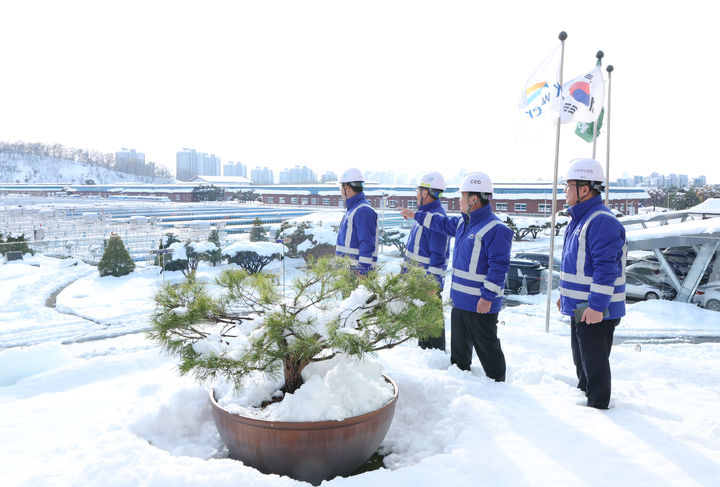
426, 248
358, 233
481, 260
592, 279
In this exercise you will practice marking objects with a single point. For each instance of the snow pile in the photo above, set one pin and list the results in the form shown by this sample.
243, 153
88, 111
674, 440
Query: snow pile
179, 252
661, 318
323, 223
202, 247
183, 425
332, 390
265, 249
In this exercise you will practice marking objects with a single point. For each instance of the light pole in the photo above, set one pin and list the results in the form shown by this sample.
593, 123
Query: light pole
161, 253
282, 242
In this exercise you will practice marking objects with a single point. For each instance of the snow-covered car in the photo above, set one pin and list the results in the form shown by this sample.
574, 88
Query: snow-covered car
642, 288
708, 296
649, 270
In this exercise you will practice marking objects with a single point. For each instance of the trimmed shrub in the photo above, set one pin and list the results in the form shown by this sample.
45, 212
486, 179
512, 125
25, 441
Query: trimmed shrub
116, 260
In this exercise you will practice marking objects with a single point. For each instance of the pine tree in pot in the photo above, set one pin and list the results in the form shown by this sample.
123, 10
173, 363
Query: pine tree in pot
241, 327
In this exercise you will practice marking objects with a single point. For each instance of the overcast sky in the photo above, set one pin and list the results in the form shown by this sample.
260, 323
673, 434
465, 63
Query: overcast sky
409, 86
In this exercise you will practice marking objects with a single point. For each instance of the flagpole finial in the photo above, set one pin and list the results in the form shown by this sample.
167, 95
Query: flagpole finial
562, 36
599, 55
610, 68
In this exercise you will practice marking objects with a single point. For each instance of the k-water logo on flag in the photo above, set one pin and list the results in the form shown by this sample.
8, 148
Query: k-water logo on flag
542, 89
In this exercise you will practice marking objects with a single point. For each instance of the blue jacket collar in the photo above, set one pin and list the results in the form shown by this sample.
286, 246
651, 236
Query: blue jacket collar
580, 209
479, 214
433, 205
355, 200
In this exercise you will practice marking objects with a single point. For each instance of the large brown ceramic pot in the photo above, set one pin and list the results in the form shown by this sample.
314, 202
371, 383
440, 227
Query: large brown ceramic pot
312, 451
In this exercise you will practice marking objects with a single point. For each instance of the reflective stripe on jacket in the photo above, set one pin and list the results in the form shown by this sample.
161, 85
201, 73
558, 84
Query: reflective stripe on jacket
427, 249
358, 233
481, 258
593, 260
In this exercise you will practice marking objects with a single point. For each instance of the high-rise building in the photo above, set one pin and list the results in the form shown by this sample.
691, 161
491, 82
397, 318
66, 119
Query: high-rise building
699, 181
297, 175
262, 176
328, 176
682, 181
190, 163
235, 169
130, 161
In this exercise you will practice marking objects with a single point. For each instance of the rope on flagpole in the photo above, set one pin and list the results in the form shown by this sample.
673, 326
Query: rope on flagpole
599, 57
562, 36
607, 152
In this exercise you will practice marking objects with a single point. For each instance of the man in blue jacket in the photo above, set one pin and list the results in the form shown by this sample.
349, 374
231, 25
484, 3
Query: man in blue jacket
428, 249
358, 233
592, 278
481, 260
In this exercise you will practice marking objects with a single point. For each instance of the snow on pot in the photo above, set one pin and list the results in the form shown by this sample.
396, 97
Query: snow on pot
244, 331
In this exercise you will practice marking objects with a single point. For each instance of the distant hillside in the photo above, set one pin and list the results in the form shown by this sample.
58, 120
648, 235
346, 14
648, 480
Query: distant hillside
39, 163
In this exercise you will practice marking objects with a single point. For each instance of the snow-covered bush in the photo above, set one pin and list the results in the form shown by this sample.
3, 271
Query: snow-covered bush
185, 257
258, 232
296, 235
395, 238
12, 242
116, 260
254, 256
248, 326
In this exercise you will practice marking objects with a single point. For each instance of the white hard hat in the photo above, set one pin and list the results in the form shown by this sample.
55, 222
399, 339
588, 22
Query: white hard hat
352, 175
476, 182
585, 170
432, 180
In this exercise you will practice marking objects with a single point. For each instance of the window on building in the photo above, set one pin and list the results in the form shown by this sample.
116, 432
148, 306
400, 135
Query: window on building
392, 204
271, 199
326, 201
281, 199
304, 201
313, 201
500, 206
293, 200
412, 204
622, 206
544, 207
520, 206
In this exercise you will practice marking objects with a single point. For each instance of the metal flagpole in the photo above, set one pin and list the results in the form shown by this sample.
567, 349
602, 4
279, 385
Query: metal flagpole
599, 57
607, 151
562, 36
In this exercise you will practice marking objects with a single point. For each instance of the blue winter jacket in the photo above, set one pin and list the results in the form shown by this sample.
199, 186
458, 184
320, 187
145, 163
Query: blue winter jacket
593, 260
358, 233
481, 258
427, 249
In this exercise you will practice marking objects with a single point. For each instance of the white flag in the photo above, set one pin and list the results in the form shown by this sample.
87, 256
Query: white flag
538, 102
583, 98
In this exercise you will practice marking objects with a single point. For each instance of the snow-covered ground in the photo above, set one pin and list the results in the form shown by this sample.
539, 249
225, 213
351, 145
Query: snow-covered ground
86, 399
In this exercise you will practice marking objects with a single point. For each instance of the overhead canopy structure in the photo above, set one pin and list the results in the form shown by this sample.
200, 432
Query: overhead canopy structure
703, 235
707, 209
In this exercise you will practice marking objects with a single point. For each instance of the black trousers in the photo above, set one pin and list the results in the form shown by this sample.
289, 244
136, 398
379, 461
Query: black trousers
591, 345
435, 342
475, 330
